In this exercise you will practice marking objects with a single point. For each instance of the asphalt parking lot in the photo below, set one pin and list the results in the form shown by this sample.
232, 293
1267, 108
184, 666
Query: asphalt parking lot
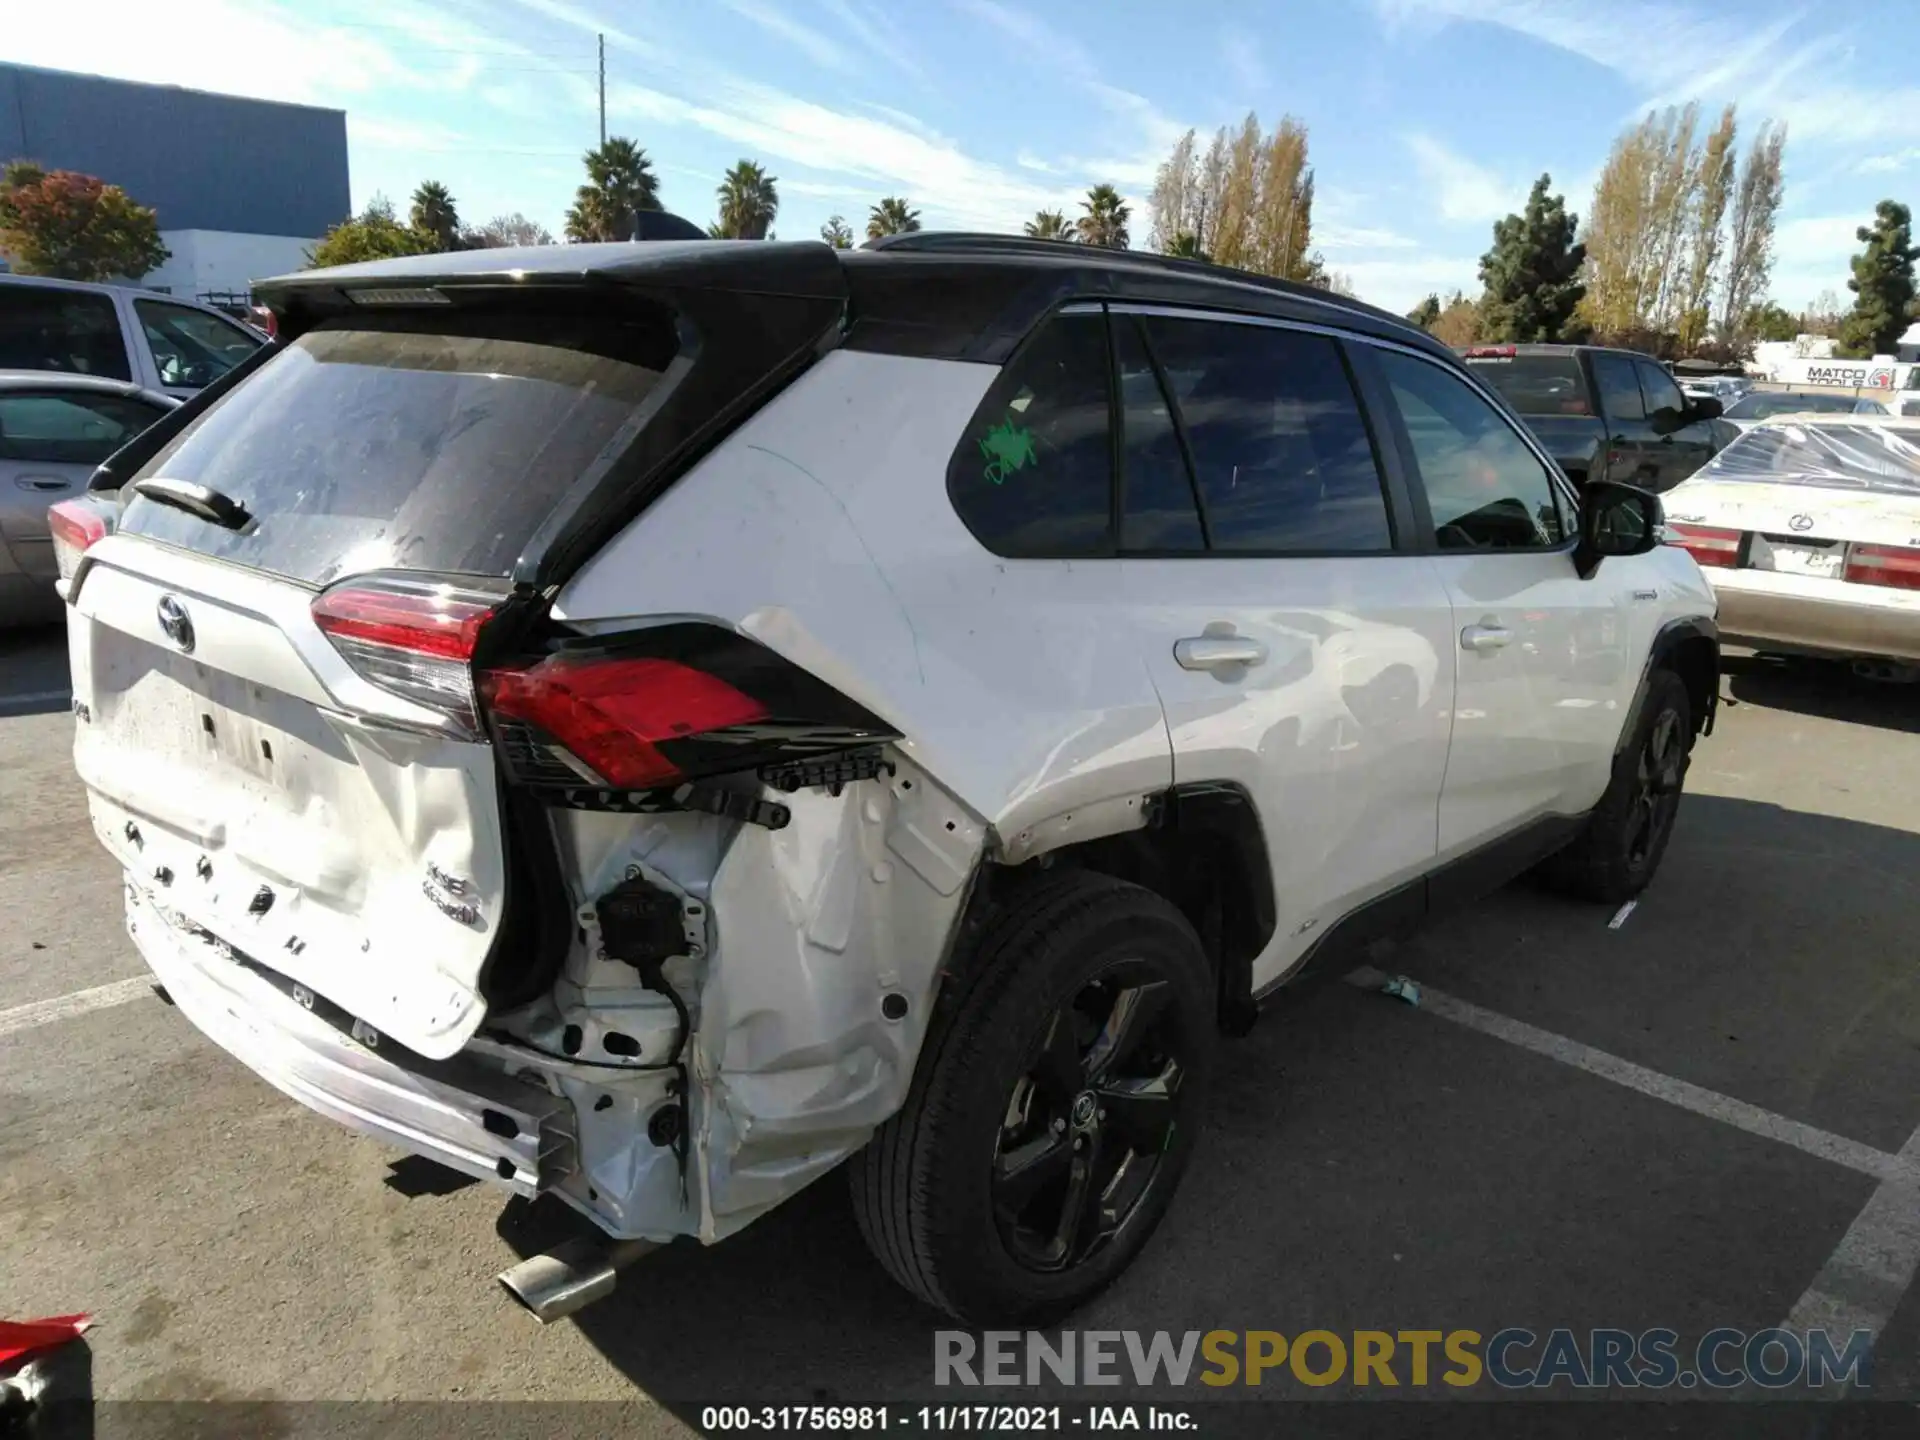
1705, 1117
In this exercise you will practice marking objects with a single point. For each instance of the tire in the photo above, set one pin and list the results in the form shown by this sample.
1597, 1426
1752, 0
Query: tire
1619, 849
963, 1195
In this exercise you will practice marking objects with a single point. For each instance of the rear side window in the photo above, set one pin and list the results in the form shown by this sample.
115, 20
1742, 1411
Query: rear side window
70, 429
1619, 388
1159, 513
1280, 448
43, 328
1033, 475
378, 443
190, 347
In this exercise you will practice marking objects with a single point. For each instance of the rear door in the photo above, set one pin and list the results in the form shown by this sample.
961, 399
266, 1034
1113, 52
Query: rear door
1678, 453
1298, 652
277, 729
51, 327
1543, 655
50, 440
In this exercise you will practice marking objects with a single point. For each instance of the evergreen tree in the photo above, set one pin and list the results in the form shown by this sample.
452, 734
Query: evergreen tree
1426, 312
1882, 282
1532, 273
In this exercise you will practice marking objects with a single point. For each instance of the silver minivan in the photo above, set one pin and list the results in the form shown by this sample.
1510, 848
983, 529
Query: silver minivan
119, 333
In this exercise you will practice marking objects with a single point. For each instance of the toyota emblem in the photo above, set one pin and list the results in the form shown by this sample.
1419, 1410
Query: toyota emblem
177, 624
1800, 523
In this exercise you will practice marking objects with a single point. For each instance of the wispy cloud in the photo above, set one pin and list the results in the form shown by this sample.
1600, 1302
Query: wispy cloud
1463, 190
1240, 54
879, 33
1785, 69
1027, 160
783, 26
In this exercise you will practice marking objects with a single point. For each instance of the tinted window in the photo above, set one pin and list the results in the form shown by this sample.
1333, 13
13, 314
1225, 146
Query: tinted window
42, 328
1279, 446
1537, 384
190, 347
1034, 473
69, 429
368, 445
1159, 513
1657, 387
1620, 397
1759, 404
1486, 488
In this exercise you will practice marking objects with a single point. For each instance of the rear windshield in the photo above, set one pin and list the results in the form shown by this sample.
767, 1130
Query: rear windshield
1850, 457
1760, 404
1538, 384
374, 443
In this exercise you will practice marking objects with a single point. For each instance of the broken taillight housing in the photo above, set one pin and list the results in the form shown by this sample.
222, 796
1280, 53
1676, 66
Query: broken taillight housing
75, 525
1708, 544
412, 638
1897, 566
662, 706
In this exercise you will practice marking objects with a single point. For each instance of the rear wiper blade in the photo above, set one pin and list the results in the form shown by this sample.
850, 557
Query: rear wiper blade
201, 500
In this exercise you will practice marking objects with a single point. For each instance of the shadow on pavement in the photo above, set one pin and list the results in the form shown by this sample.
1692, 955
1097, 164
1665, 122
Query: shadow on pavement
1369, 1166
33, 670
1826, 689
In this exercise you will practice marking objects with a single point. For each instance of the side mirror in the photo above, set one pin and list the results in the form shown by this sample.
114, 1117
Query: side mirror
1666, 419
1705, 408
1615, 519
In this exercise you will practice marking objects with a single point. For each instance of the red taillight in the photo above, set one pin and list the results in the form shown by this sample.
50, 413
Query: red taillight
1707, 544
75, 525
1894, 565
412, 638
428, 620
1491, 352
612, 714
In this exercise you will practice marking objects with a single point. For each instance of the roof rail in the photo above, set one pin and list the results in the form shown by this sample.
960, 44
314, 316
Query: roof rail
964, 242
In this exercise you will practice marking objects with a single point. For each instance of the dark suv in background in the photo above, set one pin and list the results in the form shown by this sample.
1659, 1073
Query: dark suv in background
1604, 414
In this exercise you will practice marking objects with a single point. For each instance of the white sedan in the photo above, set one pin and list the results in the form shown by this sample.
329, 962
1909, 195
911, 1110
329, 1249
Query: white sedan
1808, 528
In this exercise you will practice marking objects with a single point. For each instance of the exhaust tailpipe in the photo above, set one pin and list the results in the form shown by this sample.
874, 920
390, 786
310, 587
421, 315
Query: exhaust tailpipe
572, 1276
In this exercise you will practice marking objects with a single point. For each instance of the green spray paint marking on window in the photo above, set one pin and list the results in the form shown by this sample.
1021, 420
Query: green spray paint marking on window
1008, 448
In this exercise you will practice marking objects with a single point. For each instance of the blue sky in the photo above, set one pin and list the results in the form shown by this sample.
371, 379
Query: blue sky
1428, 118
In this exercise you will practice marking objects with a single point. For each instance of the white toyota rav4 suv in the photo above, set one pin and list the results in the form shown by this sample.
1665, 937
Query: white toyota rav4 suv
651, 724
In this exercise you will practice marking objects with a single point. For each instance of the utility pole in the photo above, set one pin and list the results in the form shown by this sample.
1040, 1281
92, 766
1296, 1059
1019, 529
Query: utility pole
603, 90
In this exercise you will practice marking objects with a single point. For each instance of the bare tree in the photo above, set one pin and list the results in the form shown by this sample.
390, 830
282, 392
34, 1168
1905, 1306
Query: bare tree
1170, 203
1756, 208
1247, 202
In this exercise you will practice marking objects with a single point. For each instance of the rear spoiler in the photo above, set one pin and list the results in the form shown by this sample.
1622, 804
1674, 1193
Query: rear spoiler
126, 462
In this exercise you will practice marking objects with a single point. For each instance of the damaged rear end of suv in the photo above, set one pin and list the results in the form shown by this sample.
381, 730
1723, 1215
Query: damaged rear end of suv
518, 753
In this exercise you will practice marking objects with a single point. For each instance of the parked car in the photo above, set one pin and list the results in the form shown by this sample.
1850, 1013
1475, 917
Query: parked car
118, 333
1807, 527
1757, 405
1724, 388
688, 716
53, 430
1606, 414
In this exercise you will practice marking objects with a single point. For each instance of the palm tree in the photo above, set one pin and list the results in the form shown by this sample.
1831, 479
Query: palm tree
620, 182
748, 202
836, 233
434, 215
891, 217
1105, 223
1186, 246
1049, 225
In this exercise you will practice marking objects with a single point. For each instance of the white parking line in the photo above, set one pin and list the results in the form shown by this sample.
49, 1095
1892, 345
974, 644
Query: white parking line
1873, 1266
79, 1002
1901, 1171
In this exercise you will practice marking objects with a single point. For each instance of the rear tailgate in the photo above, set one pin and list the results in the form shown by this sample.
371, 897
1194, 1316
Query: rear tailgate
277, 723
259, 787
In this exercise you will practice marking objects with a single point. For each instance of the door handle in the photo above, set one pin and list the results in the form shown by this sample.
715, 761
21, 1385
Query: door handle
1485, 637
1217, 652
41, 482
